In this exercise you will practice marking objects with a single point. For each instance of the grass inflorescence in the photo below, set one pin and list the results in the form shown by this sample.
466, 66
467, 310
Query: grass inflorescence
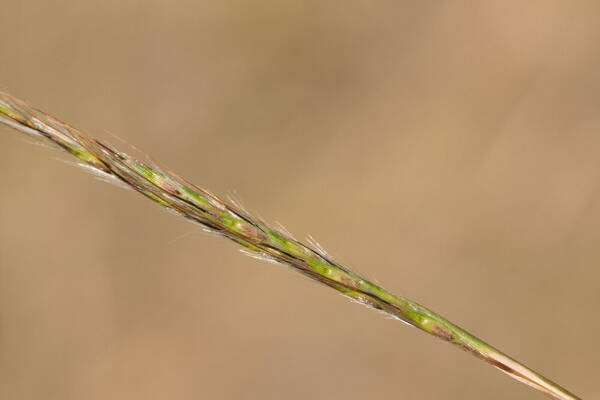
164, 187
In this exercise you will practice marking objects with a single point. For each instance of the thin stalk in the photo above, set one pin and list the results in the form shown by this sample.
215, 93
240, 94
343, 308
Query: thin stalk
194, 203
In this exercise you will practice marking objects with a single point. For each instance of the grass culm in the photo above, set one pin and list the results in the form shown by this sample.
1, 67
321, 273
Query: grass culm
168, 189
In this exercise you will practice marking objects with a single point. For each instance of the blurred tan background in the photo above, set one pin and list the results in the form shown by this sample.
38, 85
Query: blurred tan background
448, 149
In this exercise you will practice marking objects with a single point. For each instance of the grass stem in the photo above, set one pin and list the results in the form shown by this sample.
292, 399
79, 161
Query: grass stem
192, 202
